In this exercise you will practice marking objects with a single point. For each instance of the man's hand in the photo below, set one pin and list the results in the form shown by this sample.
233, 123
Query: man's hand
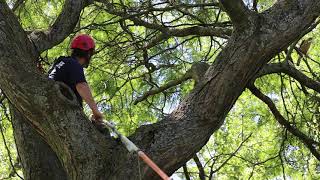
97, 117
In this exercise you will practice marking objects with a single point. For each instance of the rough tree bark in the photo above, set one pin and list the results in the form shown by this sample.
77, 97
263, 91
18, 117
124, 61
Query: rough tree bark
39, 161
37, 158
53, 112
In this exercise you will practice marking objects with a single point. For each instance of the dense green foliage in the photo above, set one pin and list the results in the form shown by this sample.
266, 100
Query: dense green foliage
250, 144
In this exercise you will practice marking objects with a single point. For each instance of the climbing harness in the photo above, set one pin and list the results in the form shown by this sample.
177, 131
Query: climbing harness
131, 147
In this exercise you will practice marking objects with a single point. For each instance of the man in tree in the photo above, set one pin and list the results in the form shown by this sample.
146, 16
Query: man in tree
69, 70
253, 39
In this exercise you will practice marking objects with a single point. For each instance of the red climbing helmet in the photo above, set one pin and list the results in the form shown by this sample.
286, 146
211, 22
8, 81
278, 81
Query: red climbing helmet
83, 42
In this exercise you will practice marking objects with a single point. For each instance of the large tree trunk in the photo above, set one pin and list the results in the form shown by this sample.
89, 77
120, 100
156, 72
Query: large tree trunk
52, 109
37, 158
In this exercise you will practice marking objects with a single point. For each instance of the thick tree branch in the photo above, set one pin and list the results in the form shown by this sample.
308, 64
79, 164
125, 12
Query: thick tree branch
288, 68
61, 28
58, 119
311, 144
237, 11
37, 158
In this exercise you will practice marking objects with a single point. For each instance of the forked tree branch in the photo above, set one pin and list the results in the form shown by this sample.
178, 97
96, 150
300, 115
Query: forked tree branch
62, 27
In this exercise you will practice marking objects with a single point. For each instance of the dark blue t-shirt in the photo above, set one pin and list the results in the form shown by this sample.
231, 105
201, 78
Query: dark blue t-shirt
69, 71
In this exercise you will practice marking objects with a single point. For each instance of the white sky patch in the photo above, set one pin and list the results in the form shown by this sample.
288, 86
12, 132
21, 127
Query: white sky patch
176, 177
49, 9
273, 96
170, 106
256, 118
10, 4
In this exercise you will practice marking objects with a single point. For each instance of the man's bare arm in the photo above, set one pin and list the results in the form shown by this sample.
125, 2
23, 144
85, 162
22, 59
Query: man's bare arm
85, 92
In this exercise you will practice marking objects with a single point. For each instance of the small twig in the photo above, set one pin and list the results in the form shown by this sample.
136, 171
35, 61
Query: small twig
202, 174
186, 173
